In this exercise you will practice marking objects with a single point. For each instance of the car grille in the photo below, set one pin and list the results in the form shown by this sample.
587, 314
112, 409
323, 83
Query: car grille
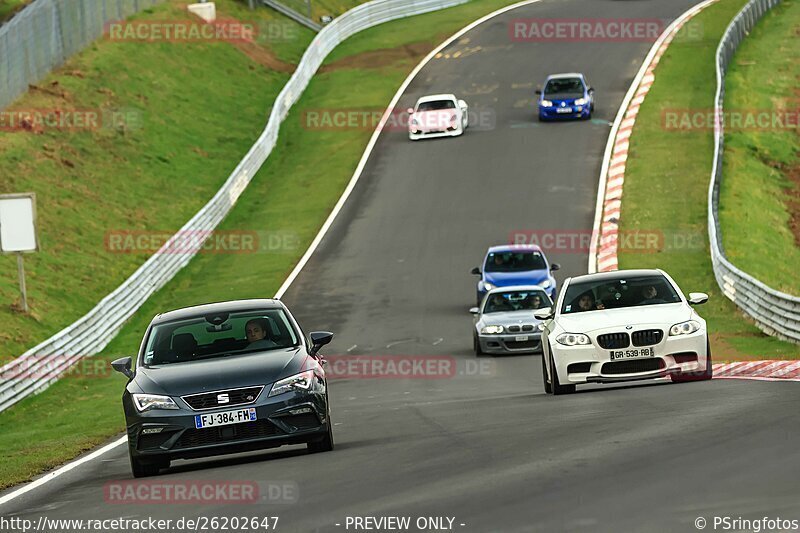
579, 368
210, 400
613, 341
633, 366
521, 345
517, 329
647, 337
219, 435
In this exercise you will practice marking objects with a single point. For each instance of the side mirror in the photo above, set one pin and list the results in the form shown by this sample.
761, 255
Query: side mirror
476, 271
410, 110
320, 339
698, 298
590, 89
474, 310
545, 313
555, 266
123, 366
538, 91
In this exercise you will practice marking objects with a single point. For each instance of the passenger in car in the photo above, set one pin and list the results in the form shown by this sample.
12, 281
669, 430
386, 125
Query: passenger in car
256, 331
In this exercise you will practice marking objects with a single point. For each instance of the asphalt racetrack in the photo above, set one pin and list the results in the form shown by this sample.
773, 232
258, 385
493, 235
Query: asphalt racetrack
483, 444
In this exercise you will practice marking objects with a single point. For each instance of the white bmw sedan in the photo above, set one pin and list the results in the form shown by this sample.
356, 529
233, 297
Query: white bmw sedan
622, 326
438, 115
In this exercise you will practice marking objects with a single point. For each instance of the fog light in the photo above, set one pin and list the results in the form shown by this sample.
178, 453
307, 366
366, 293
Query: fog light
150, 431
301, 411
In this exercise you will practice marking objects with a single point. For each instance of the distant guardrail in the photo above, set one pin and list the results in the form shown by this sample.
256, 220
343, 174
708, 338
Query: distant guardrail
40, 366
292, 14
774, 312
47, 32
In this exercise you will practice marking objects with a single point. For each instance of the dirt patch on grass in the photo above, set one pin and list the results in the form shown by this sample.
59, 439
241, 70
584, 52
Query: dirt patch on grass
265, 57
793, 201
382, 58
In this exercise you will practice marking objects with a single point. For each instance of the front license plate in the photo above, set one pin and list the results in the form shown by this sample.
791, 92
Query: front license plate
521, 338
564, 110
225, 418
634, 353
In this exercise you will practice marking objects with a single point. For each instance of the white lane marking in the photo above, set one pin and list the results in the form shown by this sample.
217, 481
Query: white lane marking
353, 347
438, 341
63, 470
395, 343
627, 106
314, 244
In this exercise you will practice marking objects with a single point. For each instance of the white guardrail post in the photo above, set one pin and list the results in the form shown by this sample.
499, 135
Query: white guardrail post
774, 312
45, 363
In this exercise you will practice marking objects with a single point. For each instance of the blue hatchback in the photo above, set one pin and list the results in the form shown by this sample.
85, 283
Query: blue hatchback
566, 96
515, 264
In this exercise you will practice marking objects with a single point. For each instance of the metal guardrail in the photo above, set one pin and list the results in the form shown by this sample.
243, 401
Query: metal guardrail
46, 32
776, 313
292, 14
44, 364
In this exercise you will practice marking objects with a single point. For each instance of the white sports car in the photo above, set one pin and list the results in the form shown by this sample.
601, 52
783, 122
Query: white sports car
622, 326
439, 115
504, 323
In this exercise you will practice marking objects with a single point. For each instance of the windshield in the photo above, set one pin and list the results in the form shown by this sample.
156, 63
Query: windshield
506, 301
571, 87
618, 293
436, 105
220, 335
514, 262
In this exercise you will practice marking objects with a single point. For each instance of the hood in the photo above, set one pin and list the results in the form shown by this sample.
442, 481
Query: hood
504, 279
262, 368
434, 120
662, 315
509, 318
566, 98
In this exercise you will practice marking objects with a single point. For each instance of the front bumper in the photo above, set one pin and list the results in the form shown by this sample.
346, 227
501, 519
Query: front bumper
480, 293
419, 134
684, 354
508, 343
551, 113
290, 418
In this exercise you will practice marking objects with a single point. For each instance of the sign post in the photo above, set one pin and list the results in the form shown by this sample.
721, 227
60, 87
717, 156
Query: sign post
18, 232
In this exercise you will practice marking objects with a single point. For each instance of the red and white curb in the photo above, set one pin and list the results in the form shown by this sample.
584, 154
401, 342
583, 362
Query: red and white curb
607, 226
759, 370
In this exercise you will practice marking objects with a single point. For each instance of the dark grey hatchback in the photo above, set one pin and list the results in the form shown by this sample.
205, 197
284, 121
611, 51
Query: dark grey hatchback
224, 378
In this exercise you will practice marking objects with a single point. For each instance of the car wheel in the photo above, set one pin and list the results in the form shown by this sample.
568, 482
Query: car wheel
476, 346
326, 443
705, 375
145, 468
548, 389
558, 388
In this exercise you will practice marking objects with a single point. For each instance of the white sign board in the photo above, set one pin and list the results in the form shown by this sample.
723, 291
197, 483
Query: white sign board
18, 223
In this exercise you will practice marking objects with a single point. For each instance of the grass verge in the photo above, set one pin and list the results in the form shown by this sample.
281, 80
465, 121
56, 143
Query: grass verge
9, 8
83, 410
666, 183
179, 137
760, 189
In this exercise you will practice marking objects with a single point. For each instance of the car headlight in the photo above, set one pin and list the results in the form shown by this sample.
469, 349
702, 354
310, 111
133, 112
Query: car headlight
547, 103
146, 402
414, 122
491, 330
580, 101
301, 381
453, 119
684, 328
573, 339
546, 284
487, 286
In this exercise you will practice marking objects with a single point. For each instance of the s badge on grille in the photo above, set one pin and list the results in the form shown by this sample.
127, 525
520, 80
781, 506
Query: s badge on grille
223, 398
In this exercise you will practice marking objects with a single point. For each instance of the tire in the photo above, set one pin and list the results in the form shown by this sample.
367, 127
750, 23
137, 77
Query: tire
326, 443
144, 468
547, 388
705, 375
558, 388
476, 346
